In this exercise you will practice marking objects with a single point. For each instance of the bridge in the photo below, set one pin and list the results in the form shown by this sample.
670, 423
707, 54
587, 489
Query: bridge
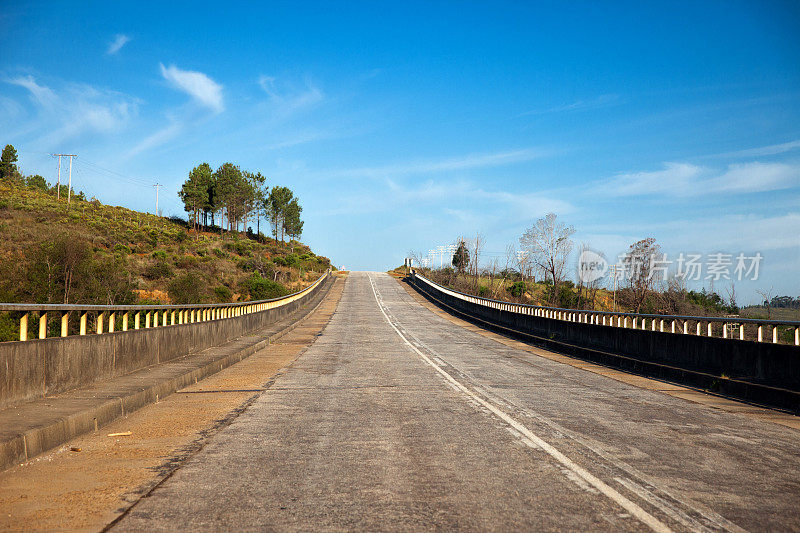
397, 406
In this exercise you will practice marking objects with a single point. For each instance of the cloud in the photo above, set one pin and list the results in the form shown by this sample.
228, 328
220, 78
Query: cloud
463, 162
158, 138
288, 99
40, 94
684, 179
763, 150
200, 87
604, 100
490, 206
119, 41
74, 110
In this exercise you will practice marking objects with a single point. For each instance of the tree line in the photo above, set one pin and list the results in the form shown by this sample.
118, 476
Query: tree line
238, 197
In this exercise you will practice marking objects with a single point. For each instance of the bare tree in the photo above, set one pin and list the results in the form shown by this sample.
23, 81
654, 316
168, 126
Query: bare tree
475, 259
548, 244
641, 268
767, 295
731, 290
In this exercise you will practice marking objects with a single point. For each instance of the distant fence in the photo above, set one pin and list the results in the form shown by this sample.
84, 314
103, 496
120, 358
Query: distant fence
725, 327
122, 339
701, 351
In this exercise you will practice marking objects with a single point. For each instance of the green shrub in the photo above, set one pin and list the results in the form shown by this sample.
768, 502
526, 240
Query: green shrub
121, 249
157, 270
517, 289
186, 261
483, 290
219, 253
185, 289
223, 293
262, 289
160, 255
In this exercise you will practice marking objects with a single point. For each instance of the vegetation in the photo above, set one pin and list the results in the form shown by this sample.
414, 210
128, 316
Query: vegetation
52, 251
546, 247
238, 197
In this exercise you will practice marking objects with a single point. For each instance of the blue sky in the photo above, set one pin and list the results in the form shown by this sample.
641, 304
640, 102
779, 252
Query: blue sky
404, 125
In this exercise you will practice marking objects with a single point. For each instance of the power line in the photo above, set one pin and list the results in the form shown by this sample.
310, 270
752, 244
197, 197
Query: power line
69, 187
97, 168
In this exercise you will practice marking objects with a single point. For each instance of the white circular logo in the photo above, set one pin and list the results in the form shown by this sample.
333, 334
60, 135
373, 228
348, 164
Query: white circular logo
591, 266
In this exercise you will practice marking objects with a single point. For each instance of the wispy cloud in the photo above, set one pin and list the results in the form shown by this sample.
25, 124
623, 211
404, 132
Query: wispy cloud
489, 205
463, 162
199, 86
119, 41
75, 109
156, 139
684, 179
604, 100
772, 149
288, 98
44, 96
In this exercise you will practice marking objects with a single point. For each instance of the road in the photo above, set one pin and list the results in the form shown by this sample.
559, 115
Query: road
397, 419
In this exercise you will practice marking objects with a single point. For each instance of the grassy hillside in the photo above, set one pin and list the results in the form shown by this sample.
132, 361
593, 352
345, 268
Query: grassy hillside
87, 252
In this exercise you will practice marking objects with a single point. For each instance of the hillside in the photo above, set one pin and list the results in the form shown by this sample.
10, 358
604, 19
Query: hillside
87, 252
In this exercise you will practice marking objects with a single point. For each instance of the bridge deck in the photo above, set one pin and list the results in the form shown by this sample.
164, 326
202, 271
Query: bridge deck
396, 418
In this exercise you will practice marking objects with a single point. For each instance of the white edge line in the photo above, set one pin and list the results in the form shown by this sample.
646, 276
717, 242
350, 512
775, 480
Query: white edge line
642, 515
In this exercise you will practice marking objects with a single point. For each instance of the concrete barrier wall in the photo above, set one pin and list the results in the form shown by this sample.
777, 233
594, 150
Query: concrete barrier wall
36, 368
666, 354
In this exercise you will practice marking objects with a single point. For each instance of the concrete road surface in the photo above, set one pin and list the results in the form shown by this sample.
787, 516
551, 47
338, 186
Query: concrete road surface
397, 419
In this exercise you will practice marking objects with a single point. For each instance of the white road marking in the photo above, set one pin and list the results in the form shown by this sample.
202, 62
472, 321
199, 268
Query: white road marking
666, 504
639, 513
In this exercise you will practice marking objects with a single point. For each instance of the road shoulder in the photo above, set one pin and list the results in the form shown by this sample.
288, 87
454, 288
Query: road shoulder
90, 487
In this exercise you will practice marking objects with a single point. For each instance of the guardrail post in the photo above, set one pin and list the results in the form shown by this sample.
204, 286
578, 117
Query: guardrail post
43, 325
64, 323
672, 326
661, 326
23, 327
99, 322
125, 321
626, 321
724, 330
774, 334
760, 333
796, 336
741, 332
699, 328
112, 322
685, 327
173, 317
710, 329
83, 323
147, 319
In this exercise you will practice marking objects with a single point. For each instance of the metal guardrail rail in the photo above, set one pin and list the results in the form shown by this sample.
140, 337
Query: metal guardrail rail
169, 315
731, 328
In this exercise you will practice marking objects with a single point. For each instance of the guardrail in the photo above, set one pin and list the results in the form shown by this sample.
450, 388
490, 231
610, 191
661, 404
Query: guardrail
727, 327
107, 318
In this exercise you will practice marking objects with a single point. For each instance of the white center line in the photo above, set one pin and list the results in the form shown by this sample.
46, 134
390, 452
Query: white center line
640, 514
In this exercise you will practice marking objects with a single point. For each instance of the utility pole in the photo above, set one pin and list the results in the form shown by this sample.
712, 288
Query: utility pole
69, 189
157, 185
58, 188
614, 267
